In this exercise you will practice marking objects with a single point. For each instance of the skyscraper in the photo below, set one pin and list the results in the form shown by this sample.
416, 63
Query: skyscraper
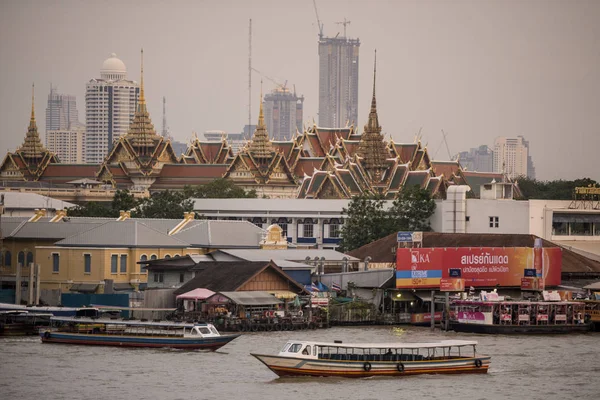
61, 111
511, 156
338, 81
110, 104
283, 113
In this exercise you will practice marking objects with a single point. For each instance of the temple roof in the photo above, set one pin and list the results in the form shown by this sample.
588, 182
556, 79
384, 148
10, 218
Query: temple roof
32, 147
260, 146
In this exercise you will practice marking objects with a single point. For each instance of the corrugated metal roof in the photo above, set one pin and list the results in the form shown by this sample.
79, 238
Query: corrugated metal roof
30, 201
248, 206
122, 234
252, 298
51, 230
289, 254
222, 233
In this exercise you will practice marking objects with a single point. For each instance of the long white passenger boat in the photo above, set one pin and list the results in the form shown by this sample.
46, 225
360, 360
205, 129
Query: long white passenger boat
303, 358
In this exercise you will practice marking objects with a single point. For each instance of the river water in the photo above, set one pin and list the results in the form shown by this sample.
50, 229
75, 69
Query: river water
523, 367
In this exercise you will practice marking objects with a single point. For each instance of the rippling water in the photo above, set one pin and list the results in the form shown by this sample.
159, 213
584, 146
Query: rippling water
523, 367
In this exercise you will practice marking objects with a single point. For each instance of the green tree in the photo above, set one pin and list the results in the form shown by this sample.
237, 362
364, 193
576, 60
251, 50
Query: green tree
551, 190
123, 201
221, 188
366, 221
412, 209
92, 209
167, 204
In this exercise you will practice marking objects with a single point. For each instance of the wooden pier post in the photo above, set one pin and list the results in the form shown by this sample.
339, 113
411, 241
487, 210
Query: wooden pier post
30, 285
447, 312
432, 310
18, 284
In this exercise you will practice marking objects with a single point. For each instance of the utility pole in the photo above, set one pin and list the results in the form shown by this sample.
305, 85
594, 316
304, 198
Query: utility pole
164, 121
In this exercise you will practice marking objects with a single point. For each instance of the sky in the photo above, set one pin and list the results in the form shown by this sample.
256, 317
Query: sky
475, 69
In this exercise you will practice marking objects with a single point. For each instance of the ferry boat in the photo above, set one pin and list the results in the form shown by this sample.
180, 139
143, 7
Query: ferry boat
128, 333
506, 317
22, 323
304, 358
592, 312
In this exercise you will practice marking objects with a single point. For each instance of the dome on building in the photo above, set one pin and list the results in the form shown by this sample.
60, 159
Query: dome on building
113, 68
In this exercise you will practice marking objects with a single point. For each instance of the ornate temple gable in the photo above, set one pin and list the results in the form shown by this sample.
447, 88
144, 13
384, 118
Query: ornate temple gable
279, 172
346, 179
446, 168
104, 175
372, 148
9, 169
330, 189
406, 151
167, 154
208, 152
241, 169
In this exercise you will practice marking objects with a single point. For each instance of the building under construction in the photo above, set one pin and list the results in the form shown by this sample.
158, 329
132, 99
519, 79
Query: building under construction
338, 81
283, 113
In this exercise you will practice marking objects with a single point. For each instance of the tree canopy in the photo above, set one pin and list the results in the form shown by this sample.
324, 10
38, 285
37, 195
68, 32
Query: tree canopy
168, 204
551, 190
219, 189
368, 219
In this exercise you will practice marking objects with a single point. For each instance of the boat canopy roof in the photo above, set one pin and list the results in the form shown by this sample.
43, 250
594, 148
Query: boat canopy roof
162, 324
506, 302
396, 345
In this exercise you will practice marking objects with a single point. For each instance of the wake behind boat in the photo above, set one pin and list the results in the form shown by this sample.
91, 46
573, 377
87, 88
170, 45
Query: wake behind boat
127, 333
302, 358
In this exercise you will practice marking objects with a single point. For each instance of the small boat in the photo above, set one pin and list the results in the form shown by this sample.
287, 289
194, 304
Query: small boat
22, 323
303, 358
507, 317
128, 333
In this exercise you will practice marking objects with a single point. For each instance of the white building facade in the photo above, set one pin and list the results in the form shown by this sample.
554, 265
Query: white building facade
511, 156
61, 111
67, 144
110, 104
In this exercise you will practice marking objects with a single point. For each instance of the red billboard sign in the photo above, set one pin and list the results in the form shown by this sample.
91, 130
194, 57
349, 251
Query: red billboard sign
452, 285
480, 267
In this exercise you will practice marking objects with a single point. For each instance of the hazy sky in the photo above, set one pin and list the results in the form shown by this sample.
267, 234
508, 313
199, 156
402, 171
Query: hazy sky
476, 69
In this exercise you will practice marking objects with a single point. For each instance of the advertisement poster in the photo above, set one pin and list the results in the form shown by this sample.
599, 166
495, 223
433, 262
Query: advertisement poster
479, 267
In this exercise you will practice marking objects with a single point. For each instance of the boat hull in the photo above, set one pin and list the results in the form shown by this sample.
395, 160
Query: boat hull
212, 343
292, 366
518, 329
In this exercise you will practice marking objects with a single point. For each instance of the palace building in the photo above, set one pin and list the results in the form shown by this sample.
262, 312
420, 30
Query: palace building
319, 163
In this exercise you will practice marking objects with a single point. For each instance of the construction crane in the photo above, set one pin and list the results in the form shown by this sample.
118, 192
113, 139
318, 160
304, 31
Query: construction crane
345, 22
319, 24
444, 140
279, 85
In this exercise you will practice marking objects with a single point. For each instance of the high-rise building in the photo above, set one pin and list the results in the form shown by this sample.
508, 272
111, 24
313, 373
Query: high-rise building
511, 156
480, 159
283, 113
338, 81
61, 111
68, 144
110, 104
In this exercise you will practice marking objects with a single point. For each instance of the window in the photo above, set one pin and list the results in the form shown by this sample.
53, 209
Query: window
29, 257
334, 231
308, 230
494, 222
21, 258
113, 264
153, 257
8, 259
143, 266
159, 277
55, 262
123, 263
181, 277
87, 263
167, 256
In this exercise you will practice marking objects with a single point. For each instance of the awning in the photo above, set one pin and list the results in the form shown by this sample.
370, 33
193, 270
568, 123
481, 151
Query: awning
404, 295
593, 286
196, 294
122, 286
283, 294
251, 298
84, 287
572, 217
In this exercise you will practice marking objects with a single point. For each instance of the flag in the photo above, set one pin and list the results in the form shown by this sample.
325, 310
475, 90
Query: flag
314, 288
336, 287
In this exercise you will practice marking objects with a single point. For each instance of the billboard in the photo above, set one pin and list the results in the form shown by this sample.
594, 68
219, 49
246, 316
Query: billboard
479, 267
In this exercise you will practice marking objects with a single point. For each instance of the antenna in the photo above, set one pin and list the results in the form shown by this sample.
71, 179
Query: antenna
345, 22
249, 77
319, 24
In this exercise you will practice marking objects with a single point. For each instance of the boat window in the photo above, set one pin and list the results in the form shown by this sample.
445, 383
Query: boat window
314, 350
204, 330
285, 347
214, 330
306, 350
295, 348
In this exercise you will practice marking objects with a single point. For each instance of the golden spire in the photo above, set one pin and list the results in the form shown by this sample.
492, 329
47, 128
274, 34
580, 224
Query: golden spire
32, 147
372, 148
261, 146
141, 133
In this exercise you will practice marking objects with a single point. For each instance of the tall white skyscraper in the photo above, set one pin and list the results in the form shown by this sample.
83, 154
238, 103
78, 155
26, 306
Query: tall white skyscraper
110, 104
61, 111
67, 144
511, 156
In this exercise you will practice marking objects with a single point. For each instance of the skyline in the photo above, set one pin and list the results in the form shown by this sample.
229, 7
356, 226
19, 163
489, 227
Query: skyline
441, 65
